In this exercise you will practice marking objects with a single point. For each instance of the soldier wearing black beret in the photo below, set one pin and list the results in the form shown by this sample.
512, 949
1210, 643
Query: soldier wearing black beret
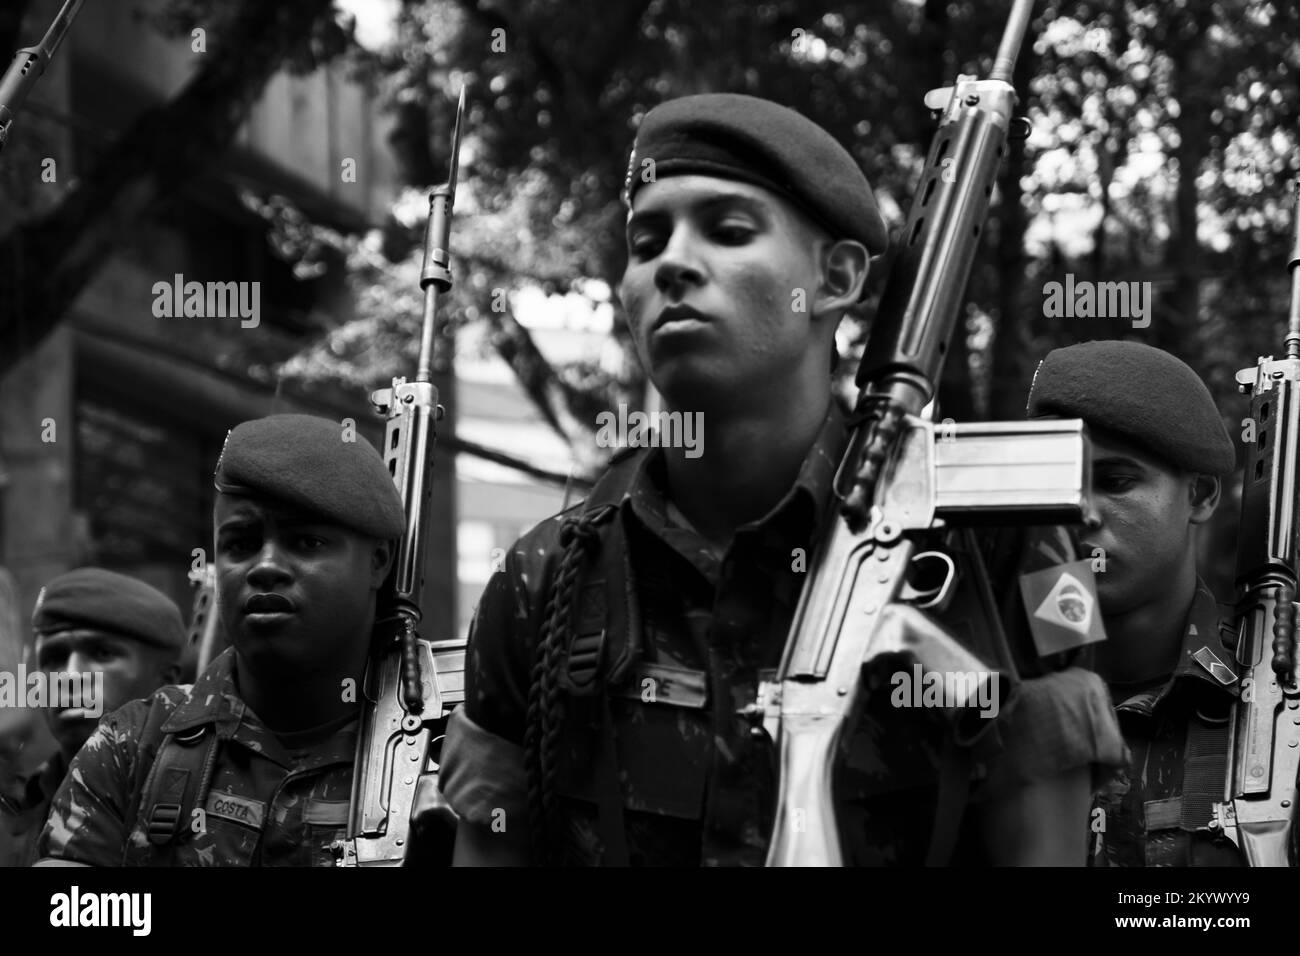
259, 751
611, 661
1159, 453
102, 639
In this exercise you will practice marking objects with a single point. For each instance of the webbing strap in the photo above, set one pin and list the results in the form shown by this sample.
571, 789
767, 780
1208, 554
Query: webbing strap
609, 795
1204, 766
950, 806
178, 782
1169, 823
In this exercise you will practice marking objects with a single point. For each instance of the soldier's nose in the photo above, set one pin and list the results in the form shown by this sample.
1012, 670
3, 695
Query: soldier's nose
269, 568
677, 263
1091, 515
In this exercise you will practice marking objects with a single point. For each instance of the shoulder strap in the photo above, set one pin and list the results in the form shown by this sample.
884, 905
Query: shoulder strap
1205, 761
590, 634
604, 635
950, 803
177, 783
1204, 765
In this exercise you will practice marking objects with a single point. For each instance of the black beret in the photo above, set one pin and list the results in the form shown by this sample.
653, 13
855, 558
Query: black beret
1141, 393
103, 600
303, 460
760, 142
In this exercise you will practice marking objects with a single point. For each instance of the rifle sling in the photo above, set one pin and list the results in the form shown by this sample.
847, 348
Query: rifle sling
609, 795
177, 784
1205, 761
950, 805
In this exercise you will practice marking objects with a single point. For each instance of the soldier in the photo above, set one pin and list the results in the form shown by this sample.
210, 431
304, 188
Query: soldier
662, 601
252, 764
1158, 456
93, 622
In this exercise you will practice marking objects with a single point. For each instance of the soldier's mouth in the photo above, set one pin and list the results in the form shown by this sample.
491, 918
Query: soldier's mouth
269, 619
268, 610
679, 316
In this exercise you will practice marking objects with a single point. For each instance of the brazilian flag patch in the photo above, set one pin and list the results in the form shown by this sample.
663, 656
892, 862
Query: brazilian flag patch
1062, 605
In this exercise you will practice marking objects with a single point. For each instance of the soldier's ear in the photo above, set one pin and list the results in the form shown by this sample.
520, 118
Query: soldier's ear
1204, 491
381, 560
844, 272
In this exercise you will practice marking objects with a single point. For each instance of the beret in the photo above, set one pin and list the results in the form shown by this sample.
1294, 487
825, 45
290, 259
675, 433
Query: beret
104, 600
733, 136
304, 461
1141, 393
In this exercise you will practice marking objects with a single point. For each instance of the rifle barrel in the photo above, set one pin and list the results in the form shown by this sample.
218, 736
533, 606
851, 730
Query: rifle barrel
435, 277
1004, 64
1293, 326
59, 28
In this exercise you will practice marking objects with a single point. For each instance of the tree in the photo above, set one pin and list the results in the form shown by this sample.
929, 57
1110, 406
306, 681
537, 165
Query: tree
1161, 142
555, 92
47, 260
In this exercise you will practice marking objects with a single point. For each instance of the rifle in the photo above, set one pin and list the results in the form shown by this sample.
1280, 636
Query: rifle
204, 640
896, 483
1264, 737
411, 684
28, 65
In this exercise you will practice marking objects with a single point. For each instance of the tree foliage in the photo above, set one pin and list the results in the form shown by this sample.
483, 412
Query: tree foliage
1163, 144
48, 258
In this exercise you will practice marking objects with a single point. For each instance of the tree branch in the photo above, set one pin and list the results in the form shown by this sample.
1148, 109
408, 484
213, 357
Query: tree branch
167, 146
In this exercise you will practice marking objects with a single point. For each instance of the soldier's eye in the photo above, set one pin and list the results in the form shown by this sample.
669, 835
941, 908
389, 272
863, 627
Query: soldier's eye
311, 542
1115, 483
644, 246
237, 545
733, 232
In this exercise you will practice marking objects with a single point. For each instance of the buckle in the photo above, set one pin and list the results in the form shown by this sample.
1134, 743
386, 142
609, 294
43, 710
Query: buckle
190, 737
585, 652
164, 820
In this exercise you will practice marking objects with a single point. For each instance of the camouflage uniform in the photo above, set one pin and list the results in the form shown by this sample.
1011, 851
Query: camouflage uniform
275, 799
698, 786
1150, 817
24, 818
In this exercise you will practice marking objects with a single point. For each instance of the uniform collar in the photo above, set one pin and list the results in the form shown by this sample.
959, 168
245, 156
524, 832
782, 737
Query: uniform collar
1203, 663
1203, 655
210, 700
214, 700
647, 500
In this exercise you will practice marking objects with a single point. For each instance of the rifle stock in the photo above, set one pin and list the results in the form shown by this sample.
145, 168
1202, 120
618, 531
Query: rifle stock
411, 684
896, 484
1258, 809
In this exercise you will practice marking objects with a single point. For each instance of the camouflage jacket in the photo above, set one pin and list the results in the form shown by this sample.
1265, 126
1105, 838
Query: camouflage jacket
698, 786
1145, 815
273, 800
24, 819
